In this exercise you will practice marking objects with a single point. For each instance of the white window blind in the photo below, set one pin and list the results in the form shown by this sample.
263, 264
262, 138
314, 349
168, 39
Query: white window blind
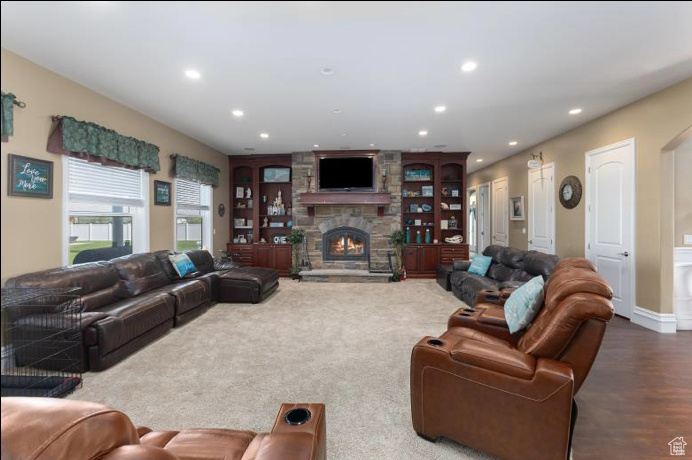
95, 183
191, 195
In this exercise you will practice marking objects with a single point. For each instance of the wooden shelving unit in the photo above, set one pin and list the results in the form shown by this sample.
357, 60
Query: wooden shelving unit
444, 187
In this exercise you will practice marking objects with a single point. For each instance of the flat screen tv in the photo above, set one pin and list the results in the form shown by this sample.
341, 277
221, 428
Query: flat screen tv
346, 173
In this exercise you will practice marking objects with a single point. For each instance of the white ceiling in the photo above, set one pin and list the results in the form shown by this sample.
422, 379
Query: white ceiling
394, 62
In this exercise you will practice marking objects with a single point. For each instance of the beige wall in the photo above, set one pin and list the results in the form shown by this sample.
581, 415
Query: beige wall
683, 191
32, 228
653, 122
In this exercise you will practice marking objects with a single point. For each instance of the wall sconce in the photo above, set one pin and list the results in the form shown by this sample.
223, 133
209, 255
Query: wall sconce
309, 178
384, 180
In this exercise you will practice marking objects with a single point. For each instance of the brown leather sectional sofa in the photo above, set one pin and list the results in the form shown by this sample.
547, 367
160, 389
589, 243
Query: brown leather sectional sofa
52, 429
131, 301
512, 396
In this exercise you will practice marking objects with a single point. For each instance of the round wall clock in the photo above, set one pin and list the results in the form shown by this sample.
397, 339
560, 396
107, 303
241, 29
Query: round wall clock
570, 192
222, 209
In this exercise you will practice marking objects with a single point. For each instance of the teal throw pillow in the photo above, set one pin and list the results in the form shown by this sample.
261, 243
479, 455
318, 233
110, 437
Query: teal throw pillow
480, 264
524, 304
182, 264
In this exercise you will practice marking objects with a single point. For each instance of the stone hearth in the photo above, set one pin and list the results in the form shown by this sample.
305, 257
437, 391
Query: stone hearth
362, 217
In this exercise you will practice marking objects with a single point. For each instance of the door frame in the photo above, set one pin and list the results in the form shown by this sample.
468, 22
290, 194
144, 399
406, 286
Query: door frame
631, 143
468, 221
487, 214
492, 210
553, 242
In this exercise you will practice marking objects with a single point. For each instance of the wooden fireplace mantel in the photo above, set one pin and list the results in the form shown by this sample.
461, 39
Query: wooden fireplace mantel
381, 199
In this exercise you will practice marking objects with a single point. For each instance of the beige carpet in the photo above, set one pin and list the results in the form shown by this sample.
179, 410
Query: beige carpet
346, 345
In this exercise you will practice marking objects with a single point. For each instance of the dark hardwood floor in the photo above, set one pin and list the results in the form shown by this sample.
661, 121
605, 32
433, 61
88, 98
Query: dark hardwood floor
638, 396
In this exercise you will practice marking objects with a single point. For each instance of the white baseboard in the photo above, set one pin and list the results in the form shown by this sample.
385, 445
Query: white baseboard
665, 323
682, 288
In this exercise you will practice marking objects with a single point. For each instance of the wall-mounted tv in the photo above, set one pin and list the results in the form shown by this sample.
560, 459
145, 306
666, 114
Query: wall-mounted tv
346, 173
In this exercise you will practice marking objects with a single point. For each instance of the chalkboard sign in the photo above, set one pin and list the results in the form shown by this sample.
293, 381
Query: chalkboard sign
29, 177
162, 193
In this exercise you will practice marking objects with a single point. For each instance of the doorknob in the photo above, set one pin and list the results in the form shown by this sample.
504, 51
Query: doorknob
530, 241
626, 254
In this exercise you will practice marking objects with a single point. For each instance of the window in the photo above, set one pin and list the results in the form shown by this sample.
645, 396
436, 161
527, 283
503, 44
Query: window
192, 215
106, 211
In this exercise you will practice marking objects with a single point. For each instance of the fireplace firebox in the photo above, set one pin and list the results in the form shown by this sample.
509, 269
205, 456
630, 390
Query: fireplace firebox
345, 243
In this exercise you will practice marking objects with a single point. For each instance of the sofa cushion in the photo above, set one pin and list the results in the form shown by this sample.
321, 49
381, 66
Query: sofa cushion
466, 285
202, 259
480, 265
182, 264
165, 263
198, 443
140, 273
131, 318
523, 305
259, 275
188, 295
537, 263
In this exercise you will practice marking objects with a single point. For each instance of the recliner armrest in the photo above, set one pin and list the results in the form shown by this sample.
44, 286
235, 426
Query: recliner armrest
139, 452
496, 358
461, 265
490, 296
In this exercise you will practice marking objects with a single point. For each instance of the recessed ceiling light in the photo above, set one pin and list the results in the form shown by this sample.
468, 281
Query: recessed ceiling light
479, 160
192, 73
316, 145
344, 134
327, 71
249, 149
576, 111
264, 135
469, 66
512, 143
440, 108
336, 111
422, 133
238, 113
372, 145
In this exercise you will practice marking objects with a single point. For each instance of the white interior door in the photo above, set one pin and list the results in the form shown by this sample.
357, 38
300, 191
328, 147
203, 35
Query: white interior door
483, 216
610, 219
500, 212
472, 206
541, 209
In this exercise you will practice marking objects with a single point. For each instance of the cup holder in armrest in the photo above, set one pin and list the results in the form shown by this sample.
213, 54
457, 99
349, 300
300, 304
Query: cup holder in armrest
297, 416
469, 310
464, 314
435, 342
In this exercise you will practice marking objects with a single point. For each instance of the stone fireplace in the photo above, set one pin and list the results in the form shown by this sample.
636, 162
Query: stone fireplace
348, 236
345, 243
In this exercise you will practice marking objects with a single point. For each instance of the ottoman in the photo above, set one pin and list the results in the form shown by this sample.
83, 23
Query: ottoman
247, 284
443, 274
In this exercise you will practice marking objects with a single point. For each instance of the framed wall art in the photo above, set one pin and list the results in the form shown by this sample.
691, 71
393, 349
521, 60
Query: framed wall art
29, 177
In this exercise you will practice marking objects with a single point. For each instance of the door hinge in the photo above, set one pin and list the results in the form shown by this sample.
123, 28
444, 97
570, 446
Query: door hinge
588, 246
589, 169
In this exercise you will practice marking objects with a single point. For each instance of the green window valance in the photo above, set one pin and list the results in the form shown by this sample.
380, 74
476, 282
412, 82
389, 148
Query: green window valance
7, 114
195, 170
95, 143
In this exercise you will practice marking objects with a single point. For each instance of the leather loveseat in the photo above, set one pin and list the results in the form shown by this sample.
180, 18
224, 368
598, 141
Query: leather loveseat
513, 397
130, 301
509, 269
52, 429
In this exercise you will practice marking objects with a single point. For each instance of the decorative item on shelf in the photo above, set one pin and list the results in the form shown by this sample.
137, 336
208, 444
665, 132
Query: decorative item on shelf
419, 209
240, 192
419, 238
162, 193
235, 240
413, 207
414, 193
455, 192
241, 205
384, 180
516, 208
408, 235
397, 239
248, 193
427, 236
242, 239
249, 223
418, 222
427, 190
29, 177
239, 222
426, 207
250, 237
277, 207
435, 241
249, 203
265, 224
264, 198
276, 225
280, 239
444, 224
422, 175
445, 191
221, 209
455, 207
289, 223
408, 221
456, 239
444, 206
309, 180
262, 240
277, 175
452, 223
570, 192
404, 193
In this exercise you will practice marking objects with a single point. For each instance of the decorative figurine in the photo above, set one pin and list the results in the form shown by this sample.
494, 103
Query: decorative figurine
427, 236
266, 222
248, 193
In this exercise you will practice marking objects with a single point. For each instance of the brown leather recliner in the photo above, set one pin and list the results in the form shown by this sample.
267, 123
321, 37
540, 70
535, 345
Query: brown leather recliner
513, 398
58, 429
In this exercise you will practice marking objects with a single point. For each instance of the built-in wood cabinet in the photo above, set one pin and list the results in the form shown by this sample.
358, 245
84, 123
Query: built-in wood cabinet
433, 209
251, 242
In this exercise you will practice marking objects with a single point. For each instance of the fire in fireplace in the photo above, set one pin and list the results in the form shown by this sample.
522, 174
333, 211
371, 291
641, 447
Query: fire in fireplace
345, 243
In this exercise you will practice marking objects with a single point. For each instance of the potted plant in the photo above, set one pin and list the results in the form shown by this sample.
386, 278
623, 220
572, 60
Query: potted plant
397, 239
296, 238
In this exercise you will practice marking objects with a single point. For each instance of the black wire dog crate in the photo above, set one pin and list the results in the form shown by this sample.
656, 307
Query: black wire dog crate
41, 342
